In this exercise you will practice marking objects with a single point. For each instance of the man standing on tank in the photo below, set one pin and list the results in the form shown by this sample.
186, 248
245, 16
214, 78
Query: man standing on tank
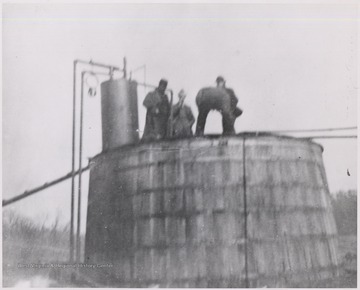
158, 112
183, 118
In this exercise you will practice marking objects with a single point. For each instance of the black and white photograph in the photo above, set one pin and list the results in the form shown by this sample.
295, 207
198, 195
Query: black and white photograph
180, 144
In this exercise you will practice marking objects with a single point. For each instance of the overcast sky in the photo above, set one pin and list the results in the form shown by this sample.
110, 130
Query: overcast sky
291, 66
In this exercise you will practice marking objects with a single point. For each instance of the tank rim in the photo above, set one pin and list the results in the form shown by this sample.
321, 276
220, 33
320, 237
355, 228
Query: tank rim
242, 135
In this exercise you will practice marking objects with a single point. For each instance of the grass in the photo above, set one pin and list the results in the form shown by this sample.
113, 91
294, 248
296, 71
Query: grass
27, 245
347, 257
25, 242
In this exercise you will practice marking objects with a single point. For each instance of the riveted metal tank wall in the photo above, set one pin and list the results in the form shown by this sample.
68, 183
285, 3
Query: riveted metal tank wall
119, 113
226, 212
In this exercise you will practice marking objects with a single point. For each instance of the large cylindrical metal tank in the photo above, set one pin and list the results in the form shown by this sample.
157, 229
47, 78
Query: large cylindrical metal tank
119, 113
241, 211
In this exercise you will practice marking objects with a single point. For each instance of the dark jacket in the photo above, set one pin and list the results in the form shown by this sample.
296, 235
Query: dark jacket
158, 111
183, 119
233, 102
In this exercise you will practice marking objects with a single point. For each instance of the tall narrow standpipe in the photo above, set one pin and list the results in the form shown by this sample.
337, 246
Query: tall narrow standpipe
72, 213
73, 168
78, 241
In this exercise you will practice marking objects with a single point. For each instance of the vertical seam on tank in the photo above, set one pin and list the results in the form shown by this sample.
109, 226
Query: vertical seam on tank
321, 167
245, 219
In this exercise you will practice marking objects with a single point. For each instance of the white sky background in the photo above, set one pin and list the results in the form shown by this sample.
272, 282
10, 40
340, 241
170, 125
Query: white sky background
292, 66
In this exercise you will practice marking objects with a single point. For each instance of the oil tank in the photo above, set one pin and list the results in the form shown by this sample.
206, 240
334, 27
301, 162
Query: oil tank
119, 113
242, 211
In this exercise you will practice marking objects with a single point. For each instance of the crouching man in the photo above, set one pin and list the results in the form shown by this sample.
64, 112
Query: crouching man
221, 99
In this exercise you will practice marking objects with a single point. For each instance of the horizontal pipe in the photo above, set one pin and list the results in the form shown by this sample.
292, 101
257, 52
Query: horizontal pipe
96, 73
329, 137
98, 64
138, 68
310, 130
146, 85
152, 86
27, 193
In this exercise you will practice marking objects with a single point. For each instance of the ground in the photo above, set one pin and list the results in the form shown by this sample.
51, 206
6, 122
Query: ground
348, 257
35, 277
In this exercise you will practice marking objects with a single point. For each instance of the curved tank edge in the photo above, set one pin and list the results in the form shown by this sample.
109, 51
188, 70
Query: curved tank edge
242, 135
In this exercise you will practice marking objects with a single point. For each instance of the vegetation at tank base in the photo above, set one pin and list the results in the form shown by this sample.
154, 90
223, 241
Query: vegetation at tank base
25, 242
344, 205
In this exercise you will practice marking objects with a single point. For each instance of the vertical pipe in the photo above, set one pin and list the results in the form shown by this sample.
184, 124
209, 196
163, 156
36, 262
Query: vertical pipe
73, 168
145, 78
124, 68
245, 219
170, 124
111, 73
72, 213
78, 245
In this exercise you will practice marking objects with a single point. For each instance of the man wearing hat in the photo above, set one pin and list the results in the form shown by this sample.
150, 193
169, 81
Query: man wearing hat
158, 111
220, 83
183, 118
221, 99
